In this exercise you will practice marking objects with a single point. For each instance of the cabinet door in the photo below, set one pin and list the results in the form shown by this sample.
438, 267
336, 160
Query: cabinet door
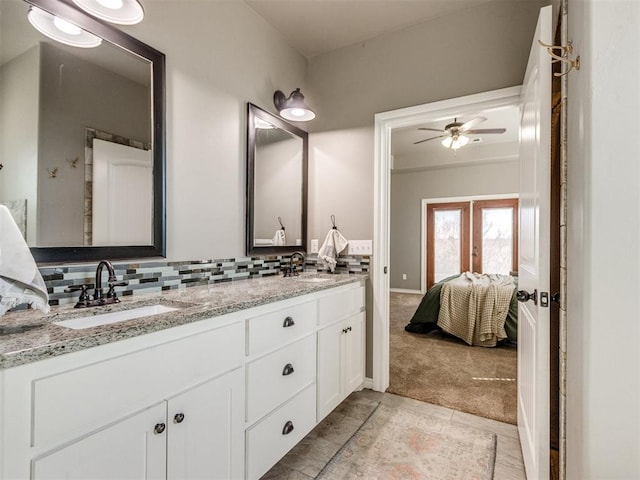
127, 450
330, 371
206, 430
354, 352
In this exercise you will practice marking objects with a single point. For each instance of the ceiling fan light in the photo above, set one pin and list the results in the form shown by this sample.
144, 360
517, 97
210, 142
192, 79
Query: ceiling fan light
61, 30
455, 142
122, 12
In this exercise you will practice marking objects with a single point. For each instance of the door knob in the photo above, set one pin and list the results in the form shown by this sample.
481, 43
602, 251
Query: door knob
159, 428
524, 296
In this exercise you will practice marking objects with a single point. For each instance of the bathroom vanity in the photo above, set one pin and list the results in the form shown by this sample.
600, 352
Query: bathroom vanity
221, 387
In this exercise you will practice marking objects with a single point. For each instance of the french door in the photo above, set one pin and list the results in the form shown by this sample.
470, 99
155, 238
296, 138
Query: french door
476, 235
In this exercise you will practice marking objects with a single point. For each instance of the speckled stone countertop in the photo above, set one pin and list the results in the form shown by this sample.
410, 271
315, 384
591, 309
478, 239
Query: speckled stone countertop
29, 336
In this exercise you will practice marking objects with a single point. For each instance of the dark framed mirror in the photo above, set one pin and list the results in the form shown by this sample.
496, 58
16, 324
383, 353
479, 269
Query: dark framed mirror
276, 200
90, 106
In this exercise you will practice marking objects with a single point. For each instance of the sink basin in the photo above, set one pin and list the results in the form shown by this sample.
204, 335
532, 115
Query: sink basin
114, 317
312, 279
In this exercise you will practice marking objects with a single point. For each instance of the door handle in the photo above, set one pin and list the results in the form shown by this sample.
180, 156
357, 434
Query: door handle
524, 296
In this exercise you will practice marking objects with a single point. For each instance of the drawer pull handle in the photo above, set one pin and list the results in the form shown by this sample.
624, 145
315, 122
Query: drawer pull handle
288, 369
178, 418
159, 428
288, 322
288, 428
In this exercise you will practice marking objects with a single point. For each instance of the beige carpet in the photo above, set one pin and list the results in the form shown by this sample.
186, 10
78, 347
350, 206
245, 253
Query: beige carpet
445, 371
398, 443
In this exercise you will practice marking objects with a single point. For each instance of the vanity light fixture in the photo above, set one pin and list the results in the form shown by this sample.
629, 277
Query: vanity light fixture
122, 12
454, 142
61, 30
293, 107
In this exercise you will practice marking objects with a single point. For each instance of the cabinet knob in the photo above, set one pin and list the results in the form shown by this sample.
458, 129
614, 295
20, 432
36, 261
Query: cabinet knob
288, 428
178, 418
288, 322
287, 370
349, 328
159, 428
344, 330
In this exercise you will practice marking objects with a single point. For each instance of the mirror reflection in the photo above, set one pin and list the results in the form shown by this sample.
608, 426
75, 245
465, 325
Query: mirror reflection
80, 168
277, 170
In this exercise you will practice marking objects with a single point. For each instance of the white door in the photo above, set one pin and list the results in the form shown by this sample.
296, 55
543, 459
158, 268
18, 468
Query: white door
122, 195
205, 437
133, 449
533, 317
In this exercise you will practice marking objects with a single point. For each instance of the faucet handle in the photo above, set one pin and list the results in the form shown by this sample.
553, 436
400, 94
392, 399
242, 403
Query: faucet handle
112, 293
83, 300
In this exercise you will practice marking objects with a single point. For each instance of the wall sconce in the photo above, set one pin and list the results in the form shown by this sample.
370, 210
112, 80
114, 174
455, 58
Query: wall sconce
61, 30
293, 107
122, 12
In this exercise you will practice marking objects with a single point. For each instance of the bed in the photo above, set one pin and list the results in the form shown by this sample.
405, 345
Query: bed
465, 301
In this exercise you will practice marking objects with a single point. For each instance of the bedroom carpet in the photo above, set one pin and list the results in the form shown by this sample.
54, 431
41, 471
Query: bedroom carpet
396, 443
444, 370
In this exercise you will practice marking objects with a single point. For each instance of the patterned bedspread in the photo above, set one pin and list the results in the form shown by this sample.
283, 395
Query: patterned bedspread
474, 306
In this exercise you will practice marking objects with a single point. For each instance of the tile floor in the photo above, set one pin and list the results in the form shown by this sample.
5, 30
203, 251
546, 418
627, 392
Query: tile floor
306, 460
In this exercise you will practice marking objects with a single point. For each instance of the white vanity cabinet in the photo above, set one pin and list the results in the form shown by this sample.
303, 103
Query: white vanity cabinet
168, 405
341, 347
221, 398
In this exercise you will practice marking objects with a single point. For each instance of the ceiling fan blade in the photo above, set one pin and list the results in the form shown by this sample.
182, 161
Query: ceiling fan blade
431, 129
472, 123
427, 139
485, 130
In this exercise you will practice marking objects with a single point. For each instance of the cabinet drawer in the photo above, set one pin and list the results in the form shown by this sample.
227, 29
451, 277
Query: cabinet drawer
270, 330
267, 441
273, 379
76, 401
341, 304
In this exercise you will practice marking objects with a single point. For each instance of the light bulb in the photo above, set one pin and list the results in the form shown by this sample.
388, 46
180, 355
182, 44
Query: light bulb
66, 27
112, 4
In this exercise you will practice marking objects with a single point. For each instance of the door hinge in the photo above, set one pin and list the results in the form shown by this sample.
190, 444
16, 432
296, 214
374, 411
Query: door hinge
544, 299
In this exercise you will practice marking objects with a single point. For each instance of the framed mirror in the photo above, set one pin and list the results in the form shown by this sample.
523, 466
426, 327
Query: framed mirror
82, 138
277, 164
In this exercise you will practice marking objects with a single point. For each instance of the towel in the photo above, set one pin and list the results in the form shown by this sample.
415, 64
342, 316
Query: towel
20, 279
333, 244
279, 239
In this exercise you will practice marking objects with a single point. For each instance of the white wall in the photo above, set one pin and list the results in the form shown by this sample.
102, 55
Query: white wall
603, 378
479, 49
220, 55
407, 192
19, 93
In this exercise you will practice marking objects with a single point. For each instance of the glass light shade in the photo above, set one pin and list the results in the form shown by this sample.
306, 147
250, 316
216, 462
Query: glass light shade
122, 12
294, 108
455, 142
61, 30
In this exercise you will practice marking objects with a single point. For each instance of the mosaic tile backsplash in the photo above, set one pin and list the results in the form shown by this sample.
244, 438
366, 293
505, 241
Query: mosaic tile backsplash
156, 276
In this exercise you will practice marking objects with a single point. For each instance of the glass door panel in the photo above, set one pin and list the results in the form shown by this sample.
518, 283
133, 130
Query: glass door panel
495, 226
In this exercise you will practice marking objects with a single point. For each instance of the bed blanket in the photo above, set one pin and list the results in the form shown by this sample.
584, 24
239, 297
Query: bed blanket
474, 307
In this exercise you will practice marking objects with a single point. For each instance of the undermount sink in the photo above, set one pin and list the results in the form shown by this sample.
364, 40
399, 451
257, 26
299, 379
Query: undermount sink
114, 317
312, 279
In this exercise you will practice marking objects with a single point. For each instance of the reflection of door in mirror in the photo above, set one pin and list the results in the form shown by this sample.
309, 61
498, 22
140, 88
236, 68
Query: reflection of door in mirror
278, 169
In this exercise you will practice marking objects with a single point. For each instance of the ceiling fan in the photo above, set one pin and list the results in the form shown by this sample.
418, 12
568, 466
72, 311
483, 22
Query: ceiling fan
455, 134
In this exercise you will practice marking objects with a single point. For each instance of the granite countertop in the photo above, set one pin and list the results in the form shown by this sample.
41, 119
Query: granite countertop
29, 335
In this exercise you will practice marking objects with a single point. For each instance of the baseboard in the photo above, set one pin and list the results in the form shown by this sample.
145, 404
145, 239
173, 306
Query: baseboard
368, 383
405, 290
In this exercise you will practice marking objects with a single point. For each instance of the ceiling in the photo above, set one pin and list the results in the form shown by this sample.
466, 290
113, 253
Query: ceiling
314, 27
483, 147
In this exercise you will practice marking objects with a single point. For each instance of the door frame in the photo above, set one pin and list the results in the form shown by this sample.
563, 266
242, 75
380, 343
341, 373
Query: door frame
385, 123
423, 224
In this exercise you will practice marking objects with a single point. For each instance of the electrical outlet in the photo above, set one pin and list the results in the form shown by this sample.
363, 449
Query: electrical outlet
314, 245
404, 276
360, 247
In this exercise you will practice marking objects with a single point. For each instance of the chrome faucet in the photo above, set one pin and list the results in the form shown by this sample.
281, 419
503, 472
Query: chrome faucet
98, 293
